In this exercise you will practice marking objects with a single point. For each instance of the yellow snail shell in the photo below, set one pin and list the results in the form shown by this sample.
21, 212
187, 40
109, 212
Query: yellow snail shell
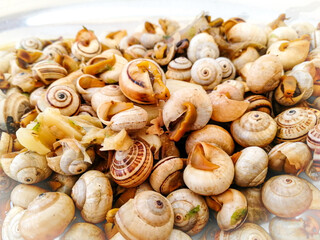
92, 194
254, 128
149, 216
228, 68
10, 226
48, 71
87, 85
286, 196
47, 216
22, 195
183, 201
83, 230
132, 167
179, 69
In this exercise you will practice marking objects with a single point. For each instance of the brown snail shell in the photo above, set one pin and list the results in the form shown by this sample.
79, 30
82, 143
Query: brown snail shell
185, 202
48, 71
92, 195
254, 128
83, 230
259, 103
10, 227
132, 167
179, 69
24, 194
286, 196
294, 124
167, 175
47, 216
148, 216
228, 68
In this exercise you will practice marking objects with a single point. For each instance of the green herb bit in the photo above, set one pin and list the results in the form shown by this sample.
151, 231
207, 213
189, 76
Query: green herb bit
192, 212
238, 215
36, 127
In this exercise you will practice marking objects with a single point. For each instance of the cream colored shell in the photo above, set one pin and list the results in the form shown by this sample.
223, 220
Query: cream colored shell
83, 230
10, 225
24, 194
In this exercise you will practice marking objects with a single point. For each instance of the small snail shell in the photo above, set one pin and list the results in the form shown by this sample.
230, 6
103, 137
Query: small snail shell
87, 85
206, 72
107, 94
248, 231
191, 212
235, 89
210, 170
179, 69
128, 41
24, 80
212, 134
264, 74
250, 54
24, 194
313, 137
166, 175
244, 174
6, 143
232, 208
55, 50
92, 194
35, 95
148, 216
132, 167
259, 103
62, 183
148, 39
82, 52
62, 97
286, 196
202, 45
303, 28
294, 124
48, 71
31, 43
228, 68
10, 226
304, 81
69, 157
135, 51
26, 167
84, 231
177, 234
257, 213
254, 128
313, 54
282, 33
290, 157
167, 54
47, 216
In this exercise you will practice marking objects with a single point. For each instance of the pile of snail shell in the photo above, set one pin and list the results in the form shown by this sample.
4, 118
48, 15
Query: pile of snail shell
168, 133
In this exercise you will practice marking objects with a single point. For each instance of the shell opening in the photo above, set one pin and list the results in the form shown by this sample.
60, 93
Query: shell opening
198, 160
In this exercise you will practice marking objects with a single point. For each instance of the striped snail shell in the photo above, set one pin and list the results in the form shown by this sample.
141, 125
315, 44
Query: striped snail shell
81, 51
179, 69
259, 103
228, 68
132, 167
135, 51
31, 43
313, 139
62, 97
294, 124
167, 175
54, 50
48, 71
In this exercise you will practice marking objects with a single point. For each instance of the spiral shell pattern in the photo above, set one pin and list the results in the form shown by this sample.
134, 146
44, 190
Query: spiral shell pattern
259, 103
313, 139
132, 167
86, 52
54, 50
228, 68
294, 124
48, 71
31, 43
179, 69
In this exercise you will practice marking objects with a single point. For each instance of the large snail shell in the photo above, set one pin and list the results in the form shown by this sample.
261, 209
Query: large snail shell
47, 216
24, 194
244, 174
294, 124
10, 227
212, 134
48, 71
289, 157
92, 194
202, 45
248, 231
173, 108
107, 94
83, 52
132, 167
84, 231
62, 97
209, 182
282, 33
286, 196
254, 128
206, 72
149, 216
259, 103
179, 69
69, 157
26, 167
31, 43
228, 68
166, 175
184, 201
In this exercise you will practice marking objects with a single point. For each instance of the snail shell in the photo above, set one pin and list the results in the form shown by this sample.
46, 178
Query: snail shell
313, 137
303, 28
166, 175
254, 128
24, 80
202, 45
148, 216
55, 50
191, 212
294, 124
10, 227
304, 81
247, 55
92, 195
132, 167
282, 33
248, 231
244, 174
212, 134
290, 157
259, 103
228, 68
206, 72
177, 234
6, 143
167, 55
135, 51
235, 89
47, 216
24, 194
179, 69
83, 52
286, 196
62, 183
35, 95
26, 167
31, 43
83, 230
62, 97
6, 185
87, 85
69, 157
48, 71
